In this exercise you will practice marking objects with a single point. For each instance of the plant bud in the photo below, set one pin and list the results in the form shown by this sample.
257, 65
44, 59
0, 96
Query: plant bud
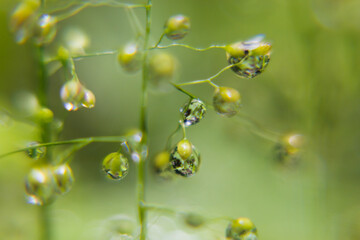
129, 58
44, 29
185, 159
227, 101
252, 57
177, 27
116, 166
194, 220
44, 115
240, 228
162, 68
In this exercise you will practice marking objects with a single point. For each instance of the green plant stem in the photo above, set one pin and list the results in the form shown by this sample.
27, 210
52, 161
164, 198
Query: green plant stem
106, 139
143, 127
45, 223
186, 46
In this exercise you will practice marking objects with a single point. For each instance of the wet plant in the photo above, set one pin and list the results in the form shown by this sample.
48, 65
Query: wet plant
51, 175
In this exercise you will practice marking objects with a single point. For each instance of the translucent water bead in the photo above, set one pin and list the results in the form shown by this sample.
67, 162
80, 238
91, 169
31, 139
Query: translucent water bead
177, 27
193, 112
64, 178
252, 56
40, 186
116, 166
74, 95
36, 153
185, 159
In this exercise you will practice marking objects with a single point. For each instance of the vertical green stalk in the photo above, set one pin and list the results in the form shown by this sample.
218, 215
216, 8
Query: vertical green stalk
143, 126
45, 129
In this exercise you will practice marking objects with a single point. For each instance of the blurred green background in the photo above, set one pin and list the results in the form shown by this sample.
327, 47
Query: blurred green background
311, 86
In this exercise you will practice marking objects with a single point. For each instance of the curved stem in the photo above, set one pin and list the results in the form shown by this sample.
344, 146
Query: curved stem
106, 139
143, 127
186, 46
159, 41
183, 90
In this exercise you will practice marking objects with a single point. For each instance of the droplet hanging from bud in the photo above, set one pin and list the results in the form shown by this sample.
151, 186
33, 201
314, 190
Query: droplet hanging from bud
74, 95
177, 27
193, 112
185, 159
130, 57
64, 178
116, 166
227, 101
44, 29
40, 186
241, 229
288, 149
22, 19
251, 57
36, 153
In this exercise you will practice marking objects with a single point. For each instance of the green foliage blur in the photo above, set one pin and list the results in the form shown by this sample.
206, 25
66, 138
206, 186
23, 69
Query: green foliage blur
311, 86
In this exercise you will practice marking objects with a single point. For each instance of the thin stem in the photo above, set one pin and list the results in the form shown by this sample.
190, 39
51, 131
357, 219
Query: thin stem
182, 125
106, 139
143, 127
168, 142
159, 41
183, 90
134, 22
86, 55
187, 46
44, 212
77, 8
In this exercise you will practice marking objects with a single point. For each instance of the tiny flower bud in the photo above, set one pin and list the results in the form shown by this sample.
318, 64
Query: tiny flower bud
177, 27
227, 101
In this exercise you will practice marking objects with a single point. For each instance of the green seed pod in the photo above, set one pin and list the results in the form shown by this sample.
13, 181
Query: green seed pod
40, 186
116, 166
130, 57
72, 94
162, 165
227, 101
162, 68
253, 57
288, 149
22, 18
64, 178
185, 159
177, 27
194, 220
193, 112
240, 229
44, 115
44, 29
76, 40
89, 99
36, 153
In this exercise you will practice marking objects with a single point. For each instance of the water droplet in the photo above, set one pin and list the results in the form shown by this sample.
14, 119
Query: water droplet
40, 186
241, 229
185, 159
89, 99
227, 101
72, 94
116, 166
130, 57
253, 57
162, 166
45, 29
177, 27
64, 178
36, 153
193, 112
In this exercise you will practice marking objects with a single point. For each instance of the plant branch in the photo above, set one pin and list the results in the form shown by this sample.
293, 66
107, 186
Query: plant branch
185, 46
